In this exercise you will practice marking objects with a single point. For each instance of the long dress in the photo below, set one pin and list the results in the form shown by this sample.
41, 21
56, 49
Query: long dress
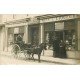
62, 50
56, 48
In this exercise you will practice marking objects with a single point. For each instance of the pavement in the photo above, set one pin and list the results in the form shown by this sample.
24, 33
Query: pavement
47, 57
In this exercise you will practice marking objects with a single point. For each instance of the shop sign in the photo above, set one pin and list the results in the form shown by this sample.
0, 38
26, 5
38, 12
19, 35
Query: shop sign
16, 30
33, 21
60, 18
59, 26
15, 24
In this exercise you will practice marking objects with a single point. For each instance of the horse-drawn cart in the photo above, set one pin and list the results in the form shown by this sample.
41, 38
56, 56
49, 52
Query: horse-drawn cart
27, 49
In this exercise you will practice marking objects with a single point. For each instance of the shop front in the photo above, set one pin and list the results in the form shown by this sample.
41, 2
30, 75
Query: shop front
64, 27
63, 30
66, 31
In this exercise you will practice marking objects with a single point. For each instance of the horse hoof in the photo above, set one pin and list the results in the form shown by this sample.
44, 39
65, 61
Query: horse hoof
39, 61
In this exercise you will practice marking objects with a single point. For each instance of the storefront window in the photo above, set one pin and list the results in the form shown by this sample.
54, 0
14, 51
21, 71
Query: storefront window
13, 33
49, 39
10, 39
48, 34
10, 36
70, 39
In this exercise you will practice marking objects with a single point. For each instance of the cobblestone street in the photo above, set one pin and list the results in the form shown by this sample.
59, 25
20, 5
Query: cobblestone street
47, 59
9, 60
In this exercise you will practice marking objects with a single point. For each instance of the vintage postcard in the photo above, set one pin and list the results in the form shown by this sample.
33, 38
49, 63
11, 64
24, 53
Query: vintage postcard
40, 39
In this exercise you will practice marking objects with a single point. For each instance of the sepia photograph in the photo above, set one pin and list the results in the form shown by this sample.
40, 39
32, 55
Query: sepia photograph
43, 39
39, 39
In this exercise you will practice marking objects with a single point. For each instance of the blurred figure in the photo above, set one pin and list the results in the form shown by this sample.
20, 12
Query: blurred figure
62, 49
55, 47
19, 38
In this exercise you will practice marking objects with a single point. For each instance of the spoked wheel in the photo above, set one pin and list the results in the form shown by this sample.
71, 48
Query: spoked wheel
27, 54
15, 50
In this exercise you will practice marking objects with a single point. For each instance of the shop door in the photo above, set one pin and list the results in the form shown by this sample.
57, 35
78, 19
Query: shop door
59, 35
35, 35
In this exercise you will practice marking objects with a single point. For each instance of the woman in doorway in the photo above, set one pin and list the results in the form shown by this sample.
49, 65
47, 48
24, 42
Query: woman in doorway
62, 49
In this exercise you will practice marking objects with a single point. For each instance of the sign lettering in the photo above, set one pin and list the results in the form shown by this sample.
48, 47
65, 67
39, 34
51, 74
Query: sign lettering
58, 18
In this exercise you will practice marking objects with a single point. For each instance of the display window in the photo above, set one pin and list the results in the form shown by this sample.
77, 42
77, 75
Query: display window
13, 33
70, 39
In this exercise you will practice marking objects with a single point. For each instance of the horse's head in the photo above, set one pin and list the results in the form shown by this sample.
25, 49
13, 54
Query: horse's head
41, 46
29, 45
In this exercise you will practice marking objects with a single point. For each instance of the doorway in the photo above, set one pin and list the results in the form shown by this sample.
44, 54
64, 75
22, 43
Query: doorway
59, 35
35, 35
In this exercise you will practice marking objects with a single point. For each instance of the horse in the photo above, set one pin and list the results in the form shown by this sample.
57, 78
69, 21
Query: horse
36, 50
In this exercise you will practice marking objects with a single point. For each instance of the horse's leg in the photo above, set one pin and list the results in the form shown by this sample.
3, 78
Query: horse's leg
29, 56
25, 52
43, 52
16, 56
25, 55
33, 56
39, 57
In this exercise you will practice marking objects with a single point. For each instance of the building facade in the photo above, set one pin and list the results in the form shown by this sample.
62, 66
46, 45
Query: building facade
42, 29
2, 37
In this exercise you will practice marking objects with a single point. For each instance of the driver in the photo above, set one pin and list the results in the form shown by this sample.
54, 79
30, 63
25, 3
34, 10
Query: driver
19, 38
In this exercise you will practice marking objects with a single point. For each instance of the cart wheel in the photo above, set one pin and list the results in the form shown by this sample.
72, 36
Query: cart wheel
27, 54
15, 50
